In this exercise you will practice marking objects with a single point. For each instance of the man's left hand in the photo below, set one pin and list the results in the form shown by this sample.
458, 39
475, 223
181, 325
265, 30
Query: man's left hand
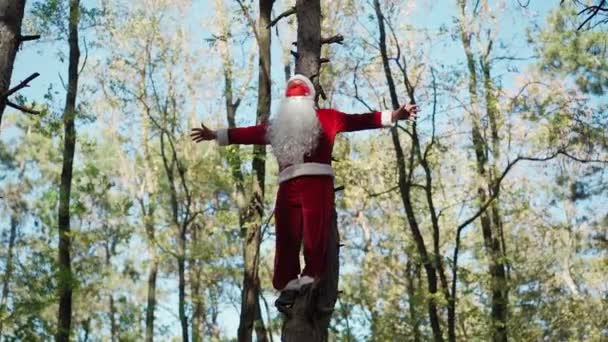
406, 112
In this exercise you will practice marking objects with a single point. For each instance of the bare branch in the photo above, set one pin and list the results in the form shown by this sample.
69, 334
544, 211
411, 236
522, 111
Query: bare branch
21, 85
29, 38
21, 108
383, 192
337, 39
497, 183
86, 55
357, 97
285, 14
591, 12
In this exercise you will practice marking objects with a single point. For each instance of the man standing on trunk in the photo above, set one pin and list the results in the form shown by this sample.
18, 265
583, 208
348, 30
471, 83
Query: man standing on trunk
302, 138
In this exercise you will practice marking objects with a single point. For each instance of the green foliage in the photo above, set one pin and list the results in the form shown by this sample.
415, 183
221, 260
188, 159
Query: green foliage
581, 55
150, 74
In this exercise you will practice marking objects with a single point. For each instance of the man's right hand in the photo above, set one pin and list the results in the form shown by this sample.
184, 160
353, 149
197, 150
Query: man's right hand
202, 134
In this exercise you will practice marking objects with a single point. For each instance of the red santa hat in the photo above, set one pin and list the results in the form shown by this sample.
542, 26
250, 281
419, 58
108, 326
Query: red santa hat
300, 85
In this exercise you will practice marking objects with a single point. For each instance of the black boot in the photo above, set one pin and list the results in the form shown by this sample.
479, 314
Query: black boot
286, 300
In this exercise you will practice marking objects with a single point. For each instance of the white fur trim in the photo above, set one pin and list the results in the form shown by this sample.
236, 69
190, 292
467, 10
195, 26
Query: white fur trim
296, 284
387, 118
222, 137
306, 280
305, 169
293, 284
305, 80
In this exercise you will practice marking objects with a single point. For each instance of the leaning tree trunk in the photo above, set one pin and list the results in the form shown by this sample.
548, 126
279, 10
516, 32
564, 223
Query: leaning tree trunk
252, 218
405, 183
11, 16
64, 315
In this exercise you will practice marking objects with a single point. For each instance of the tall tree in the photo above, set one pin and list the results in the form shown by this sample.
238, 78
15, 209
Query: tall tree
432, 264
251, 217
487, 153
65, 277
11, 15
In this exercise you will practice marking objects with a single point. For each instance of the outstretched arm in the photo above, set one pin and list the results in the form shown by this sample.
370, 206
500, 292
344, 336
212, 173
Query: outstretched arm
359, 122
253, 135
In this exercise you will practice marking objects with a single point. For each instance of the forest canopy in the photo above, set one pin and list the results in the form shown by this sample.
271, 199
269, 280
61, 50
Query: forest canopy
486, 219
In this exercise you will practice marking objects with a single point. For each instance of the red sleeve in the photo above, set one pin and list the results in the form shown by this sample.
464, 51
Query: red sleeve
252, 135
358, 122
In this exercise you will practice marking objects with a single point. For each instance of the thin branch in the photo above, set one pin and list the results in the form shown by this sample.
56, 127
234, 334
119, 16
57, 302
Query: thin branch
86, 55
337, 39
29, 38
497, 183
285, 14
384, 192
593, 11
357, 97
433, 138
23, 109
250, 20
21, 85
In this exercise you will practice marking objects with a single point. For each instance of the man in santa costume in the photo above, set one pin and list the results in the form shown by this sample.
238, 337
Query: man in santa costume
302, 138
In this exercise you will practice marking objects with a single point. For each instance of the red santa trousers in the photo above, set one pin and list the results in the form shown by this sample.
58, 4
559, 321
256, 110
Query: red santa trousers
303, 213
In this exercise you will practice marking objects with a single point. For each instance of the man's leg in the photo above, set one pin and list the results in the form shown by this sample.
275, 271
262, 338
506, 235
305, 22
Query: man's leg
317, 211
288, 224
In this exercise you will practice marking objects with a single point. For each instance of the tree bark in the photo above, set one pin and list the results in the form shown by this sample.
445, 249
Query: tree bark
413, 273
309, 37
65, 277
11, 16
151, 299
198, 312
250, 317
9, 267
152, 274
112, 306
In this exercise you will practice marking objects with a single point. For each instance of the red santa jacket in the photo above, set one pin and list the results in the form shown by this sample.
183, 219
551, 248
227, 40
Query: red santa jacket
318, 162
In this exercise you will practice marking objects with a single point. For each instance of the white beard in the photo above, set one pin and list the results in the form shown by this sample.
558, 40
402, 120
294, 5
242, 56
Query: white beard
294, 131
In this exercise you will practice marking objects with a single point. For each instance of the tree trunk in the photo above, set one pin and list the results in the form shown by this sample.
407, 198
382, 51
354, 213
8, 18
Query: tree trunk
9, 268
250, 306
405, 185
308, 13
412, 272
64, 315
148, 223
181, 266
11, 16
490, 221
112, 306
198, 312
151, 299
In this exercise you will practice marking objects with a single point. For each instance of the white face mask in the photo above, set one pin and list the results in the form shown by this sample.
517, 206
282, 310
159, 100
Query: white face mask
294, 130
